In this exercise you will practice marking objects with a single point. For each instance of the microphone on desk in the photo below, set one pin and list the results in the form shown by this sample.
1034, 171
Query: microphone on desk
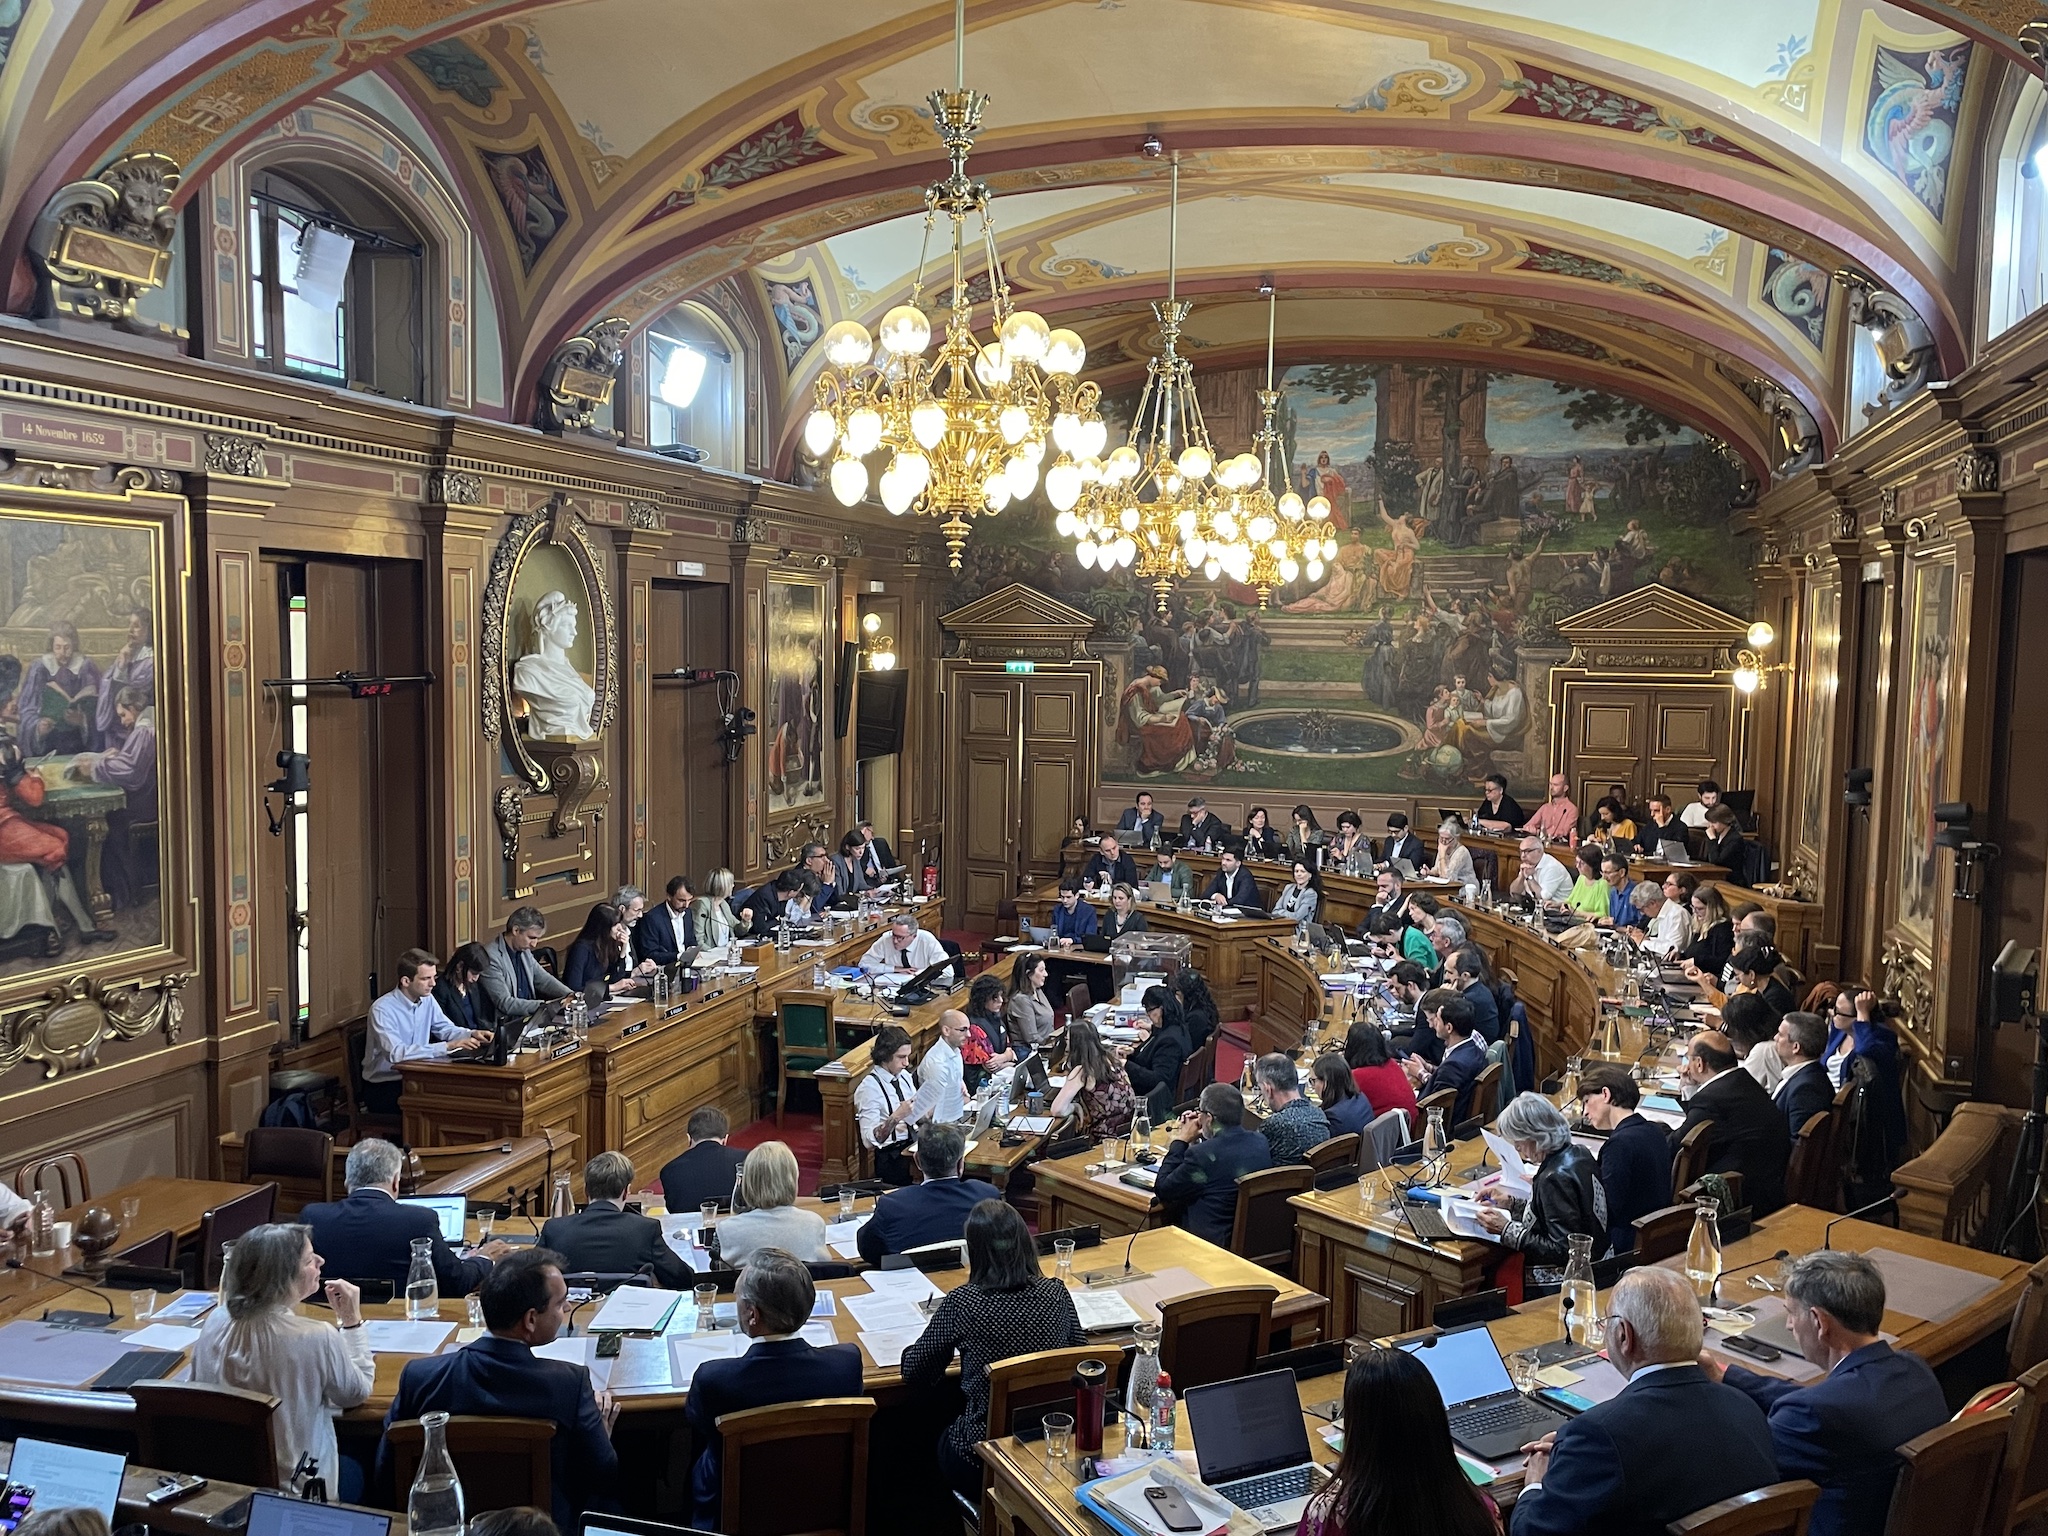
1862, 1210
1777, 1258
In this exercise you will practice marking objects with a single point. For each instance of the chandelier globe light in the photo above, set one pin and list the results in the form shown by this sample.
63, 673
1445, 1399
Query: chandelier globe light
1147, 507
966, 429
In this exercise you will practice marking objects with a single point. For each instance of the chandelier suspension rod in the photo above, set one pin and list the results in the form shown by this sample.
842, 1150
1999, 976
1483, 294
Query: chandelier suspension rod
959, 45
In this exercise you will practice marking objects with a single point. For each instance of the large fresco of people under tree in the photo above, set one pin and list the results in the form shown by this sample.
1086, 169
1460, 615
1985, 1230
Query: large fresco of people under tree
1473, 510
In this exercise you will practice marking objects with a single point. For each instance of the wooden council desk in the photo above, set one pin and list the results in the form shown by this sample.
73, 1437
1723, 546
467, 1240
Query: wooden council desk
187, 1517
633, 1084
1221, 950
173, 1205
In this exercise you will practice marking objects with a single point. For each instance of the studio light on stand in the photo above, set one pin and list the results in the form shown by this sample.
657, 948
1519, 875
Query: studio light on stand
1973, 856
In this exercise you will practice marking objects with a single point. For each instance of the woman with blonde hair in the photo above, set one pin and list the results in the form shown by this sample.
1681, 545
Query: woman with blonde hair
772, 1218
257, 1341
715, 920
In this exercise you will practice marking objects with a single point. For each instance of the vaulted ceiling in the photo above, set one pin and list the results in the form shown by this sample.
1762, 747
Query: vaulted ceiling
1648, 196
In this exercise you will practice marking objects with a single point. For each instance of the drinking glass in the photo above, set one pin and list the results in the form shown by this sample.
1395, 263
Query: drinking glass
1063, 1260
707, 1299
1523, 1367
846, 1198
1059, 1436
141, 1305
473, 1306
484, 1219
131, 1212
707, 1213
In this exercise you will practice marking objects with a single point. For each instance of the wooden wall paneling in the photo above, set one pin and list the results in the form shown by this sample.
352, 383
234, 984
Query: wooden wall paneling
749, 581
2016, 903
340, 873
987, 795
690, 784
399, 796
464, 867
637, 557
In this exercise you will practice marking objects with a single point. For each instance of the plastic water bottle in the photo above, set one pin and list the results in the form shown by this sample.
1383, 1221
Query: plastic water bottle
819, 979
422, 1291
434, 1507
1162, 1416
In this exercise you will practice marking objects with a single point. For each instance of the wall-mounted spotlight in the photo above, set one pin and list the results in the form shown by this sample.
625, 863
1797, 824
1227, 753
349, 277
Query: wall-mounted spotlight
1952, 819
1750, 666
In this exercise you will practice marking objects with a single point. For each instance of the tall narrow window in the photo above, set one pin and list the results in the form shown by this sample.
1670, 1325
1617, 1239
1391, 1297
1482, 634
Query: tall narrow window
695, 380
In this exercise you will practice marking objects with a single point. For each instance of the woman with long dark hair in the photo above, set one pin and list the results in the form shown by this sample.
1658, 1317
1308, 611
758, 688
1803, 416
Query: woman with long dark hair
599, 953
1197, 1006
460, 985
1373, 1067
1095, 1083
1343, 1105
1398, 1475
1154, 1063
1306, 838
1260, 840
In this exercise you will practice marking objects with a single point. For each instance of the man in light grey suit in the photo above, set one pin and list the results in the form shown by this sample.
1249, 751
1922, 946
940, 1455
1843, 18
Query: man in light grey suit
515, 987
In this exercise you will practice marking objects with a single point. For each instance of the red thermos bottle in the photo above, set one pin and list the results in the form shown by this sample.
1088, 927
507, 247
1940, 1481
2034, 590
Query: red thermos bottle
1091, 1392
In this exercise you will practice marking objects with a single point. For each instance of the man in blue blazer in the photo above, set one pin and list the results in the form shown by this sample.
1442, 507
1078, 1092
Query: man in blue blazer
669, 929
1844, 1430
1448, 1017
932, 1212
1804, 1091
369, 1236
1210, 1151
774, 1299
1671, 1442
525, 1304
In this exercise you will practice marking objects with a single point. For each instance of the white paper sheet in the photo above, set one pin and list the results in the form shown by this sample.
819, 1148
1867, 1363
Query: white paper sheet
1103, 1311
843, 1237
882, 1314
1514, 1173
161, 1336
818, 1335
394, 1336
576, 1350
886, 1349
826, 1305
1462, 1217
635, 1308
903, 1284
687, 1351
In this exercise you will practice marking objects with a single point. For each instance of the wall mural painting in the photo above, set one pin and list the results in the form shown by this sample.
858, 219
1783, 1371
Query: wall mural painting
1820, 683
792, 728
1474, 511
1930, 623
530, 198
79, 757
797, 321
1915, 99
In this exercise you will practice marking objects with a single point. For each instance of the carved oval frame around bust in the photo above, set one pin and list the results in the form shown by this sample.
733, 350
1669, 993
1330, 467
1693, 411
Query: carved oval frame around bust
554, 526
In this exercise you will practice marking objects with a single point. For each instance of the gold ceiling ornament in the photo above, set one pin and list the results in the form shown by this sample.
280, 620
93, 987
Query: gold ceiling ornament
1149, 504
1271, 538
965, 431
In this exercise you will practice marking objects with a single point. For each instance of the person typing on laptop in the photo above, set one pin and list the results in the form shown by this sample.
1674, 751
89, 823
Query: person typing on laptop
1622, 1468
406, 1024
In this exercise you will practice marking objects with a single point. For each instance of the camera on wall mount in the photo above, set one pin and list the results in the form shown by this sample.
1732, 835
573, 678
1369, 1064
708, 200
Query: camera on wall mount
1952, 819
735, 720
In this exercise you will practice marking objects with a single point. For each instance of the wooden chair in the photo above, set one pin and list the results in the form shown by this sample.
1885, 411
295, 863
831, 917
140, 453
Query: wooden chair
1661, 1234
221, 1433
362, 1121
1809, 1177
226, 1222
1445, 1099
1690, 1160
503, 1463
1948, 1477
1337, 1152
1782, 1509
1196, 1073
803, 1038
1214, 1335
1024, 1388
1486, 1094
1079, 1000
1951, 1191
159, 1251
73, 1185
2026, 1341
1699, 1189
1264, 1229
289, 1152
2023, 1483
798, 1467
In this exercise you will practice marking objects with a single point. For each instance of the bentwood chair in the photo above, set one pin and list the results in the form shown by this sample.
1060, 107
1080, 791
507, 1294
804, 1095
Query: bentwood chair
797, 1467
1783, 1509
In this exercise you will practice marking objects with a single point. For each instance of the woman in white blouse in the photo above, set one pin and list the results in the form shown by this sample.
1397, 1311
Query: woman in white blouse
885, 1105
257, 1341
772, 1218
715, 921
1454, 859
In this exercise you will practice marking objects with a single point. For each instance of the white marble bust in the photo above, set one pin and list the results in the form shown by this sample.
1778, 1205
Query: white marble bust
558, 700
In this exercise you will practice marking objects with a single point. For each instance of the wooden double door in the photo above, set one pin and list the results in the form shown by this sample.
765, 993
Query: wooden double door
1660, 738
1023, 750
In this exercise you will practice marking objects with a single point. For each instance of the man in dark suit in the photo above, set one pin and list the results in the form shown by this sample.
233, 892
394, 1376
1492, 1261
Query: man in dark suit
1110, 865
1402, 843
515, 988
1141, 821
1635, 1162
668, 930
1210, 1151
1200, 828
1624, 1468
932, 1212
526, 1303
816, 861
771, 901
774, 1298
607, 1239
1467, 966
1449, 1018
1844, 1430
876, 856
369, 1236
1233, 886
708, 1169
1804, 1091
1748, 1135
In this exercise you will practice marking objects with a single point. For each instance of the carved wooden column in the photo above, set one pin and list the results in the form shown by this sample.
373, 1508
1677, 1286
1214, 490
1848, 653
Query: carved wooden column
458, 527
639, 550
1833, 581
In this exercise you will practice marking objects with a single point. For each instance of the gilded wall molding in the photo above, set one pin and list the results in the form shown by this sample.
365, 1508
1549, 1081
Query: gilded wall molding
552, 523
66, 1026
1976, 470
1908, 978
241, 457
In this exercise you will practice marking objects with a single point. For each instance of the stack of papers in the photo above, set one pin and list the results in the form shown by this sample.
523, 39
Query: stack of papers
635, 1309
395, 1336
1104, 1311
889, 1316
843, 1237
1514, 1173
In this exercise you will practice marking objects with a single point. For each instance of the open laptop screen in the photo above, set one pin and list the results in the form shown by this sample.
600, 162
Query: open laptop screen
67, 1477
1247, 1426
273, 1514
1466, 1364
449, 1210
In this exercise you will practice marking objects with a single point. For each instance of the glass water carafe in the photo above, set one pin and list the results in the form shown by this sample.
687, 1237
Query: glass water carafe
1578, 1303
1703, 1250
422, 1290
1143, 1386
1435, 1139
434, 1507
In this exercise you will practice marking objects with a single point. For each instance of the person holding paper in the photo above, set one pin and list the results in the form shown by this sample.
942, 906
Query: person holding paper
885, 1105
906, 948
1210, 1151
1006, 1308
774, 1299
526, 1303
257, 1340
1565, 1196
607, 1239
1109, 865
932, 1212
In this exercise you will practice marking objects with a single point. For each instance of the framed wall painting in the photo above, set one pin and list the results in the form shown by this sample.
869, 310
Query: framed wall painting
794, 717
1925, 742
1820, 684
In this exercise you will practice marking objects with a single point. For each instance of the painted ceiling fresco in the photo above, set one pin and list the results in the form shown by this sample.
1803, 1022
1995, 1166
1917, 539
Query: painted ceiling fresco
1637, 192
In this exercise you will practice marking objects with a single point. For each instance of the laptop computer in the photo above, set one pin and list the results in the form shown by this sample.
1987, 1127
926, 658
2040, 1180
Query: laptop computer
1251, 1446
275, 1514
67, 1477
619, 1525
449, 1210
1489, 1417
1159, 892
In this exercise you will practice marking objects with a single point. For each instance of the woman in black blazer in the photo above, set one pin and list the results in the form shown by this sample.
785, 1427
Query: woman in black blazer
1154, 1063
1260, 840
599, 953
1715, 942
1122, 917
458, 990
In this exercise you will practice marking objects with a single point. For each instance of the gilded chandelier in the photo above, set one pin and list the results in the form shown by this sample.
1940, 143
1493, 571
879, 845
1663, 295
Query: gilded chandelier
966, 430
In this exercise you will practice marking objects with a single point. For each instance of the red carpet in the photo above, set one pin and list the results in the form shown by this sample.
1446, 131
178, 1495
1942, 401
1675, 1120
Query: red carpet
805, 1134
1229, 1062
